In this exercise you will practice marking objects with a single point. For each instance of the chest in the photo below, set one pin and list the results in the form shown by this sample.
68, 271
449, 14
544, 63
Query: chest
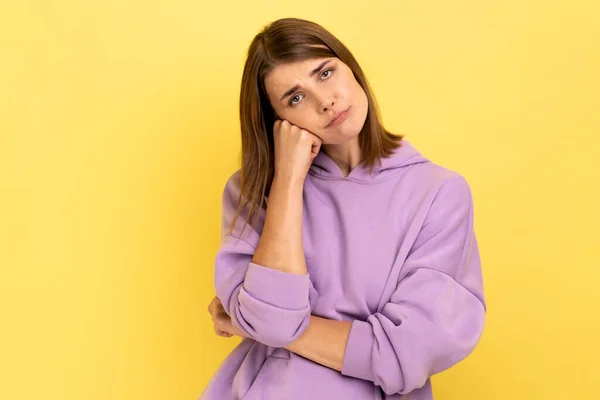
353, 249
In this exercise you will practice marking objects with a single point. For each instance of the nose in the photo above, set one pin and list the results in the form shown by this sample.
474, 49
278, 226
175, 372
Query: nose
326, 101
328, 105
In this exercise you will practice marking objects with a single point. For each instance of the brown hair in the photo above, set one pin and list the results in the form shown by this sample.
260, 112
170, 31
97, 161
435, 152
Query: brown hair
284, 41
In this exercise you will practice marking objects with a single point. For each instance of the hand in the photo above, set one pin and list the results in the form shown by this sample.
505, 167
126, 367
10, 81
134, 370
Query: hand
222, 321
295, 149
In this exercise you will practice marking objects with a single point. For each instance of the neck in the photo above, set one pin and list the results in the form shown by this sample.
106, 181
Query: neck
347, 155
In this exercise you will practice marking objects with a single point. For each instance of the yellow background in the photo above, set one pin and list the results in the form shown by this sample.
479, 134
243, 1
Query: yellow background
119, 127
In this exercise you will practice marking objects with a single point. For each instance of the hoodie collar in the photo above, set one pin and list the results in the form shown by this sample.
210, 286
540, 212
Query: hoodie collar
323, 167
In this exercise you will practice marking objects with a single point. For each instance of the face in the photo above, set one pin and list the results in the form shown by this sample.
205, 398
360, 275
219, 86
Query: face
310, 93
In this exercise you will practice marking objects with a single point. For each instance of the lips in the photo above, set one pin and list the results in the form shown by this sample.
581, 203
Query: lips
337, 116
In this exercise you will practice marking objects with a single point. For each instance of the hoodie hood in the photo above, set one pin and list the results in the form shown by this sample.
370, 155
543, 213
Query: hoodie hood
323, 167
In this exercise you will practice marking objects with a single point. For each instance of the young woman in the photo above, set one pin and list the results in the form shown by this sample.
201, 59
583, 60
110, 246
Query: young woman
348, 262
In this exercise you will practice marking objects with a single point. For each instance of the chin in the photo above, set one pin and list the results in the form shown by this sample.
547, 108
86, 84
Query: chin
350, 129
342, 136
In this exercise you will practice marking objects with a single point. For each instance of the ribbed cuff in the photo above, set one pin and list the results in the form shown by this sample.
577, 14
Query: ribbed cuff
359, 351
277, 288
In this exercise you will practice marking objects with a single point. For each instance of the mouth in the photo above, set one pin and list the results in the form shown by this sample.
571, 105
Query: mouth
338, 118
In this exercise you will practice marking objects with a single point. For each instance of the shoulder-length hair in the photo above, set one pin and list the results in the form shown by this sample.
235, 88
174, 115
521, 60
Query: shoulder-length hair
285, 41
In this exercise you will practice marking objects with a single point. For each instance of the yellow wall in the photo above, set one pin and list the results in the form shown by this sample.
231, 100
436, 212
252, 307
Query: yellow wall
118, 128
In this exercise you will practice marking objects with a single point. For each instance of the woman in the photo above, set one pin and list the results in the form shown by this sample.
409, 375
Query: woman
348, 262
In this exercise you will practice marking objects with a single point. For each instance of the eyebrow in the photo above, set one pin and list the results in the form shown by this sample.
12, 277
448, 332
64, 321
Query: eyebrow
312, 73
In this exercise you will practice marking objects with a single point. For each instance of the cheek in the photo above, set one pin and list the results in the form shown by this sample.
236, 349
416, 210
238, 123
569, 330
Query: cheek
360, 101
303, 117
358, 93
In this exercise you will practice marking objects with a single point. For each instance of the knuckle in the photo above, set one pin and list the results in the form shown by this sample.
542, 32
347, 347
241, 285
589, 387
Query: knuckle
304, 134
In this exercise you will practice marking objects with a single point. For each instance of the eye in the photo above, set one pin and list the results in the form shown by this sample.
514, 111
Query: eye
324, 75
292, 102
325, 72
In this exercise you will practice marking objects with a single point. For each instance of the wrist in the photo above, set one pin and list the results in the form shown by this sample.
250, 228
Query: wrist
287, 183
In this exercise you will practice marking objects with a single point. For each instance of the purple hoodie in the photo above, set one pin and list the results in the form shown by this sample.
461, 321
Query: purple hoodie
394, 252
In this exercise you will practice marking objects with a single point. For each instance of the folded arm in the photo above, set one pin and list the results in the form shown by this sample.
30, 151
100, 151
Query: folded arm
261, 279
434, 318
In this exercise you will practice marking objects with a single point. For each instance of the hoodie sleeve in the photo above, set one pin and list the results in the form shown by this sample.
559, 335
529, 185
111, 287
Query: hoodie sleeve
270, 306
436, 315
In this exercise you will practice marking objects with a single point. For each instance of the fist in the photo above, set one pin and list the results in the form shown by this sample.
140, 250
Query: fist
295, 148
221, 320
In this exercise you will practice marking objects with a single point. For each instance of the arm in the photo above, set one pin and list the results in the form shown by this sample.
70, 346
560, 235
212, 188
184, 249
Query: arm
264, 300
436, 315
324, 342
280, 244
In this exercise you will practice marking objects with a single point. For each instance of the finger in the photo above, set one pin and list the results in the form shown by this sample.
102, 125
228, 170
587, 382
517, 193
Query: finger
315, 152
317, 140
218, 327
222, 332
316, 147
